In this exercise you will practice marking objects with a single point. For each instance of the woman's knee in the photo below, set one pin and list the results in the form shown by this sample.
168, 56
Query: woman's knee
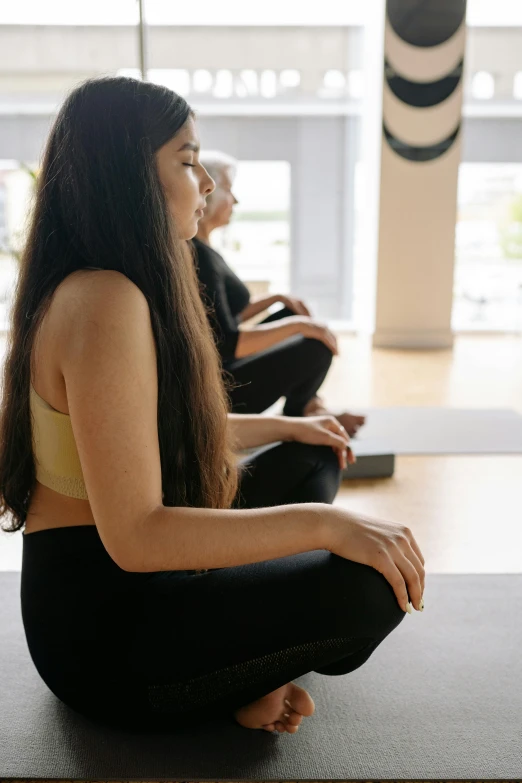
309, 353
378, 609
321, 466
317, 352
322, 457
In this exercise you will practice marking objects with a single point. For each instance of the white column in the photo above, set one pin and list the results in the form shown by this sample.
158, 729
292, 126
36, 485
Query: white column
420, 146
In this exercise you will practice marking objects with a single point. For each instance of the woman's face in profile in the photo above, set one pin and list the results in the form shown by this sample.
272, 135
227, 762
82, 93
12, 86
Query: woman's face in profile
184, 180
223, 201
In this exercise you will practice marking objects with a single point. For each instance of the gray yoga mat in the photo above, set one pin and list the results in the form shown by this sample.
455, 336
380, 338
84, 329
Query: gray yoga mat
439, 699
422, 430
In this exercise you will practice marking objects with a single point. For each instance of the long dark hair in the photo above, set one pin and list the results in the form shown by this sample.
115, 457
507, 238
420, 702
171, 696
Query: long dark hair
99, 202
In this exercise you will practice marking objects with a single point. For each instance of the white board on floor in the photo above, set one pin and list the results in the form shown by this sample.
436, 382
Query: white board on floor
424, 430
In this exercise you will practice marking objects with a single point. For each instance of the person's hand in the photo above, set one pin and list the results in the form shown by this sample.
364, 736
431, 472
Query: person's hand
388, 547
321, 431
319, 331
295, 305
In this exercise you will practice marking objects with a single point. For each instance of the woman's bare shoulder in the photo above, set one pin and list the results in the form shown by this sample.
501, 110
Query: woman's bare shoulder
82, 303
88, 296
90, 286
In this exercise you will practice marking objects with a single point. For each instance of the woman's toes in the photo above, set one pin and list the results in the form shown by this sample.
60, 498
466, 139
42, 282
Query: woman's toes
300, 701
291, 722
280, 726
269, 727
294, 719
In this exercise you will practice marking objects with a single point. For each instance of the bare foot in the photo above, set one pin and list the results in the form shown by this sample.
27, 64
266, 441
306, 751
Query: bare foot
350, 422
281, 710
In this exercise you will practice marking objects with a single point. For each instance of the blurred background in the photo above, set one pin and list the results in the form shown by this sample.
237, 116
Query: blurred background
286, 87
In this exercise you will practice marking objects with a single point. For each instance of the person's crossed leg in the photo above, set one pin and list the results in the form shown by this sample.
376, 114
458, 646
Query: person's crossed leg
295, 369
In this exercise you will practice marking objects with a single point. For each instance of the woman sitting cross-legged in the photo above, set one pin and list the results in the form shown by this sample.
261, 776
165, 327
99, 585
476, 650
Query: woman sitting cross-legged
161, 586
289, 353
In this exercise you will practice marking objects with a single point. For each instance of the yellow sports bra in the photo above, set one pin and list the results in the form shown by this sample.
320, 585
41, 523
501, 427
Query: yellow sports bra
57, 462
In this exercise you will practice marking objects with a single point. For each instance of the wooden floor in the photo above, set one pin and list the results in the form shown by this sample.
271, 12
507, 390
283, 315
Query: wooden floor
464, 511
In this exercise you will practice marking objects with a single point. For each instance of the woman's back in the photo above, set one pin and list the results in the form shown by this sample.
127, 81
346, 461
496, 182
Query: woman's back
48, 508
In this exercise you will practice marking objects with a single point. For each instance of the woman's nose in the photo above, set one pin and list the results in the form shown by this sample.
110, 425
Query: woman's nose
210, 187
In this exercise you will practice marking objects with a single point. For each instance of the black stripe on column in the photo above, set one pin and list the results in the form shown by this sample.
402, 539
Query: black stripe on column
426, 22
422, 94
419, 154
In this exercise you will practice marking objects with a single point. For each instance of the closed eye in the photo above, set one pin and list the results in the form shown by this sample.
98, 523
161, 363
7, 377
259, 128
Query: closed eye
192, 165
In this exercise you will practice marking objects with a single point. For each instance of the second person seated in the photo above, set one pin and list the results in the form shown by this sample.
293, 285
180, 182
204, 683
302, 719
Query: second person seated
289, 353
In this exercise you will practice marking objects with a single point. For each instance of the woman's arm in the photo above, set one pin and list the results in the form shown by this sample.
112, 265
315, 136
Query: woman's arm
249, 430
174, 539
264, 335
108, 361
261, 336
257, 305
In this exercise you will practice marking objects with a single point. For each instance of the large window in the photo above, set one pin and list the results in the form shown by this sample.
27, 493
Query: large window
488, 248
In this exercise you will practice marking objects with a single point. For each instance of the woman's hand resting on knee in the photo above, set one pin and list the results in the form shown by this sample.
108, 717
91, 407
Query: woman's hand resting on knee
388, 547
320, 431
310, 327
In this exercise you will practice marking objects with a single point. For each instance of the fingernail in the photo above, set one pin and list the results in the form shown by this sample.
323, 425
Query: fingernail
421, 607
409, 608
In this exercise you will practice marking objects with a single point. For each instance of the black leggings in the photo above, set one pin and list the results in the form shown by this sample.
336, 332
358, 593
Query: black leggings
173, 649
295, 369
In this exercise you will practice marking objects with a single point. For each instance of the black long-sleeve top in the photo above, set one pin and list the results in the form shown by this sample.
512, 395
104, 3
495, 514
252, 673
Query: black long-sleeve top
225, 293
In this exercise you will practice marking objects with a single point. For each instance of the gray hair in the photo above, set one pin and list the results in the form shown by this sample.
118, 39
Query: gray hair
216, 163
